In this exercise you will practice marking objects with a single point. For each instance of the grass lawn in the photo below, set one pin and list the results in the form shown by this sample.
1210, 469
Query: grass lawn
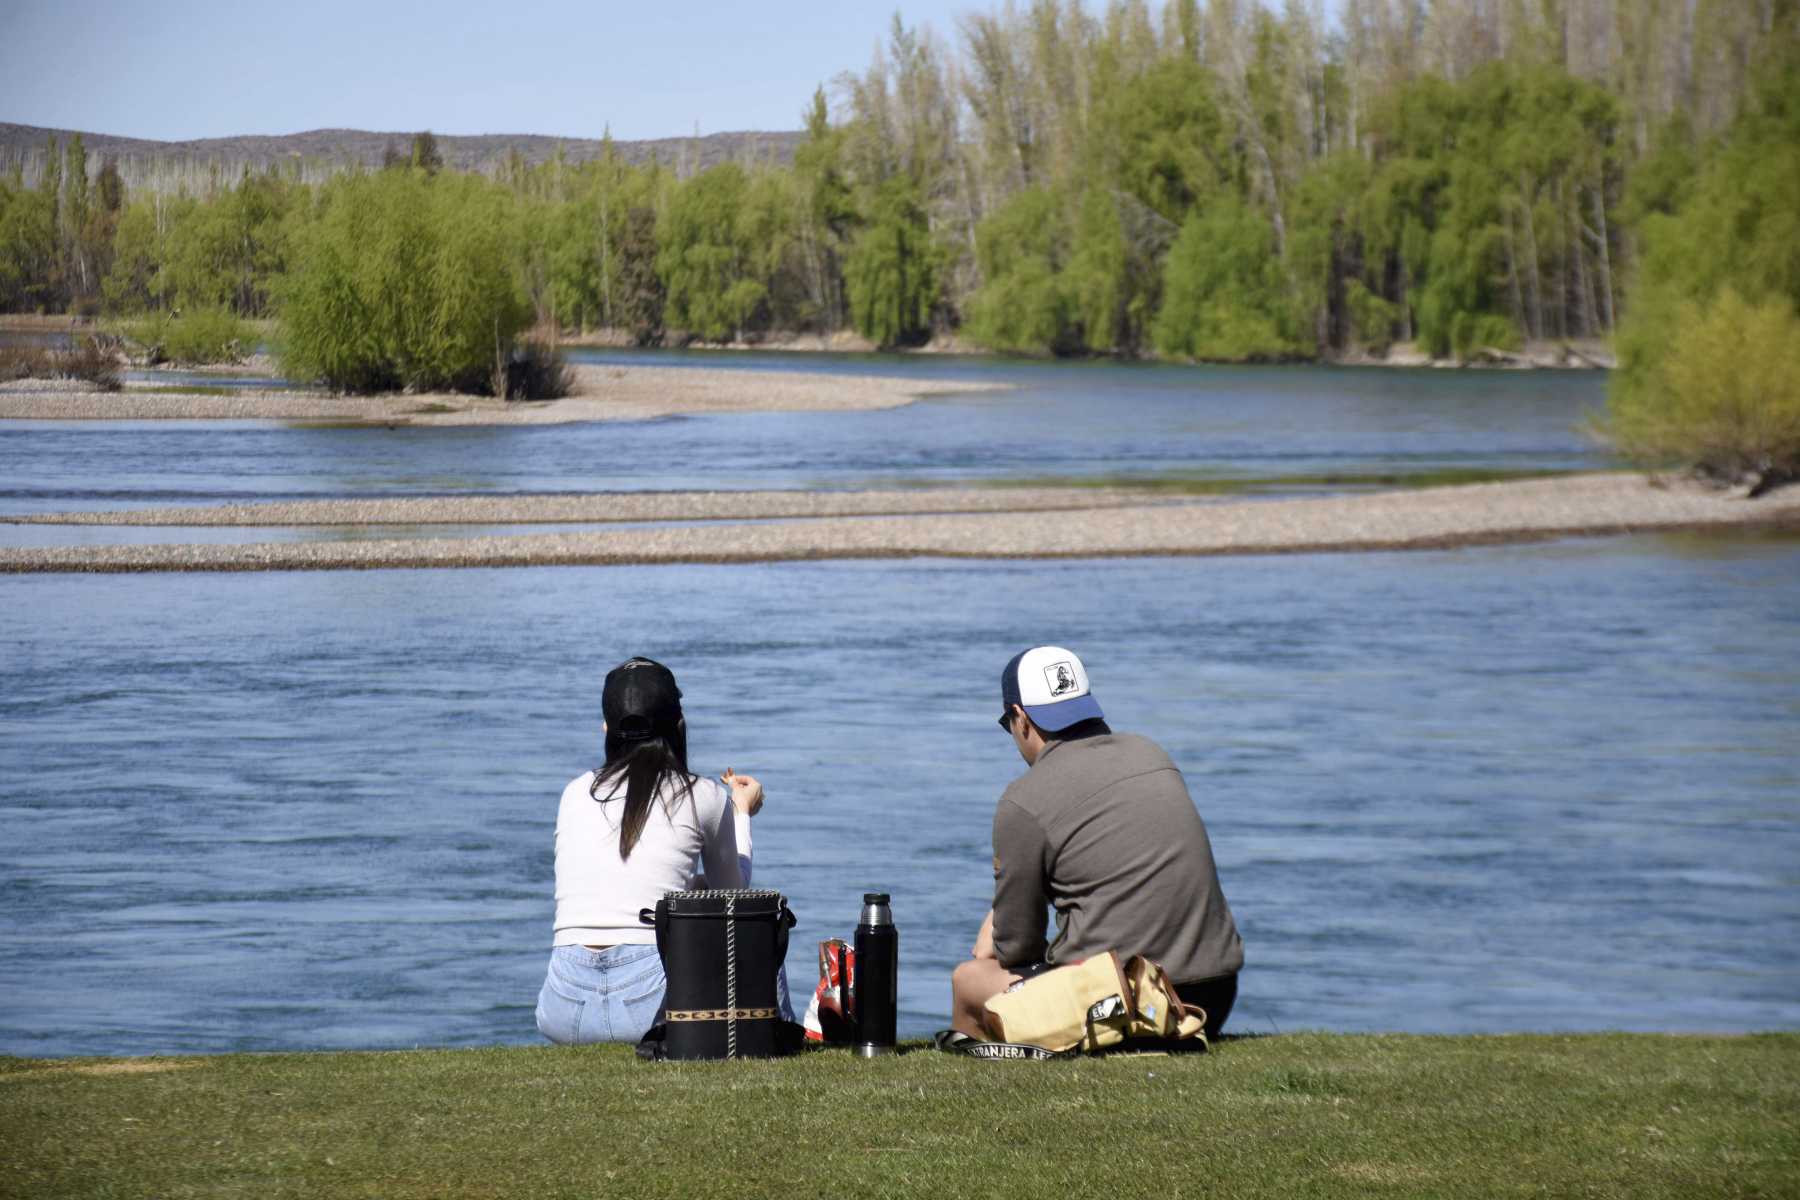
1298, 1115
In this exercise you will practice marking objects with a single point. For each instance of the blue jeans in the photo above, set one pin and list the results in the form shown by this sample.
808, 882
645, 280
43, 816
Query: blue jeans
610, 995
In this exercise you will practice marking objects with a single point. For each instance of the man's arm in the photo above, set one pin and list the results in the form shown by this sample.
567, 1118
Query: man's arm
1021, 855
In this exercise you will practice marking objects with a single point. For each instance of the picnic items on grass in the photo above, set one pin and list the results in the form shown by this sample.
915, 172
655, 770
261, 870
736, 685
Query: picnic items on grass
721, 951
1085, 1007
857, 1000
878, 977
831, 1014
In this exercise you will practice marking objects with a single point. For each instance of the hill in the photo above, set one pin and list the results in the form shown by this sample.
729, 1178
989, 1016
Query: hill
318, 153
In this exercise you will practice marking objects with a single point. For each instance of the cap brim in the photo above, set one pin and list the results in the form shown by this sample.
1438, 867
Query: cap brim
1064, 713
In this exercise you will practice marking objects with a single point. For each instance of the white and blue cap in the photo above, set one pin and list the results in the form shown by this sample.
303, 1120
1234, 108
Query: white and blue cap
1051, 685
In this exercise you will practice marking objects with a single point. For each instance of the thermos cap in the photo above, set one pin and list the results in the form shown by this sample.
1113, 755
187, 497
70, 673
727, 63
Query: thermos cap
875, 898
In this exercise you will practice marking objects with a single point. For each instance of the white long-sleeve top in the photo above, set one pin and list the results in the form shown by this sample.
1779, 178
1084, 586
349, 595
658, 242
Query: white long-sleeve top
599, 894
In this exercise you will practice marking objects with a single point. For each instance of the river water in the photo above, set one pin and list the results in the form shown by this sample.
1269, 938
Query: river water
1550, 787
1285, 429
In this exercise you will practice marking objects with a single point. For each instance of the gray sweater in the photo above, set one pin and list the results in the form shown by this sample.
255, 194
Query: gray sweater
1102, 828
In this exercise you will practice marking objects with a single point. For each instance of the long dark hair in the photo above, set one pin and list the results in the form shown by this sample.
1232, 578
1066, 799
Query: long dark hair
646, 754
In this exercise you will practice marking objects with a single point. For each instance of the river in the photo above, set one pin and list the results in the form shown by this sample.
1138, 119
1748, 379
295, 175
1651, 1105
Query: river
1547, 787
1276, 430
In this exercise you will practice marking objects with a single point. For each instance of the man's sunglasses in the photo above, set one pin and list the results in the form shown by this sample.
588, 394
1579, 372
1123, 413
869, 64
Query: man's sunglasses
1006, 719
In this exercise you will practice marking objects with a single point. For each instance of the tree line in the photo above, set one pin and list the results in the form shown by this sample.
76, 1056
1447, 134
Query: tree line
1220, 182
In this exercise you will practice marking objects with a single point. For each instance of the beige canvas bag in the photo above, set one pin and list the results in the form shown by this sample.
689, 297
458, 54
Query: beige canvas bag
1092, 1005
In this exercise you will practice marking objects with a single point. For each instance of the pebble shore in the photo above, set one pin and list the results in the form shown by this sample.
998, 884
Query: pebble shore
996, 524
600, 393
603, 507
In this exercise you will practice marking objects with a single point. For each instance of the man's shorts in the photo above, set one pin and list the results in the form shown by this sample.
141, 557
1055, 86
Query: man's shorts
1028, 971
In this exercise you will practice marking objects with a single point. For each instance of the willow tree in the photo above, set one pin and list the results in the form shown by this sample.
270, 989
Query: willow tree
891, 271
1222, 290
403, 279
1023, 305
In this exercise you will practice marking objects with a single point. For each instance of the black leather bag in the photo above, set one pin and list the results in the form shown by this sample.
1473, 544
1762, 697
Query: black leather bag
721, 952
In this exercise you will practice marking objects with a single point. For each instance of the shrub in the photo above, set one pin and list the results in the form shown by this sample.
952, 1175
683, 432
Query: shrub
403, 279
195, 338
1723, 397
1473, 332
90, 359
24, 362
532, 371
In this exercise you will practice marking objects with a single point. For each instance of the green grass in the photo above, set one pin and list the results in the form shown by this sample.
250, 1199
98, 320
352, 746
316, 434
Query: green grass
1300, 1115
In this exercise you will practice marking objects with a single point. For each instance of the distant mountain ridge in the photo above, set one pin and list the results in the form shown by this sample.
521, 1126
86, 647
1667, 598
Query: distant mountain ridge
317, 153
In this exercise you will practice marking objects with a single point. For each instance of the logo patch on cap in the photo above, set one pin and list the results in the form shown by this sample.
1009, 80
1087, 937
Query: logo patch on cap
1051, 685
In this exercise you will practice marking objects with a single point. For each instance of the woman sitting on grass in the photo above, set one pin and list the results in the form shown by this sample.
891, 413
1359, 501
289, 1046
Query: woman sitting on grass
626, 834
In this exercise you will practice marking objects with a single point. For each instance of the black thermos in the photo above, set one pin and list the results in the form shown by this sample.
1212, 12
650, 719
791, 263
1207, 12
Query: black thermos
877, 977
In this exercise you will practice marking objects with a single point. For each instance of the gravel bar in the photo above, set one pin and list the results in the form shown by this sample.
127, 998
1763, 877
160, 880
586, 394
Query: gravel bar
1431, 518
601, 393
595, 508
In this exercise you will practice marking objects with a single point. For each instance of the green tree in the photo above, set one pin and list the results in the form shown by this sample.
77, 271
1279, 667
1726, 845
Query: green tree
72, 227
1098, 279
891, 271
828, 213
227, 251
1221, 290
638, 298
425, 153
137, 280
52, 286
109, 188
27, 246
1022, 305
575, 221
705, 257
1724, 398
768, 224
1727, 255
403, 279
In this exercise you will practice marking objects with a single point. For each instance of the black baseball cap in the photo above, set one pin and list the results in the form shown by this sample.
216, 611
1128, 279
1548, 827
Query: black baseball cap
641, 700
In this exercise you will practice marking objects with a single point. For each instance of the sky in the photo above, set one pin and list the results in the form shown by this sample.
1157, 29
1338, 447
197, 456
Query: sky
178, 69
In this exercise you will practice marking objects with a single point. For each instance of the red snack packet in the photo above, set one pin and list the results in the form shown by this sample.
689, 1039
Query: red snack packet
830, 1016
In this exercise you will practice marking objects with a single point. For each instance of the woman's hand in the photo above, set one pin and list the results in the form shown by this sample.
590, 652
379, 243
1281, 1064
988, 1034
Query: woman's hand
746, 792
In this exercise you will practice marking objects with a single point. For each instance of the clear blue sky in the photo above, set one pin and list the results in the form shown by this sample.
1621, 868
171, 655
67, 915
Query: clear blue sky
177, 69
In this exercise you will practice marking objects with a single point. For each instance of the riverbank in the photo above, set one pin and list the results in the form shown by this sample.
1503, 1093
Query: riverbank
1547, 354
1553, 354
738, 527
1306, 1114
600, 393
605, 508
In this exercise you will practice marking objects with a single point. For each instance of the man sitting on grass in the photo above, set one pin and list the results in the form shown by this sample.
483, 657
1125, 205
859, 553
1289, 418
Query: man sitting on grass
1101, 828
